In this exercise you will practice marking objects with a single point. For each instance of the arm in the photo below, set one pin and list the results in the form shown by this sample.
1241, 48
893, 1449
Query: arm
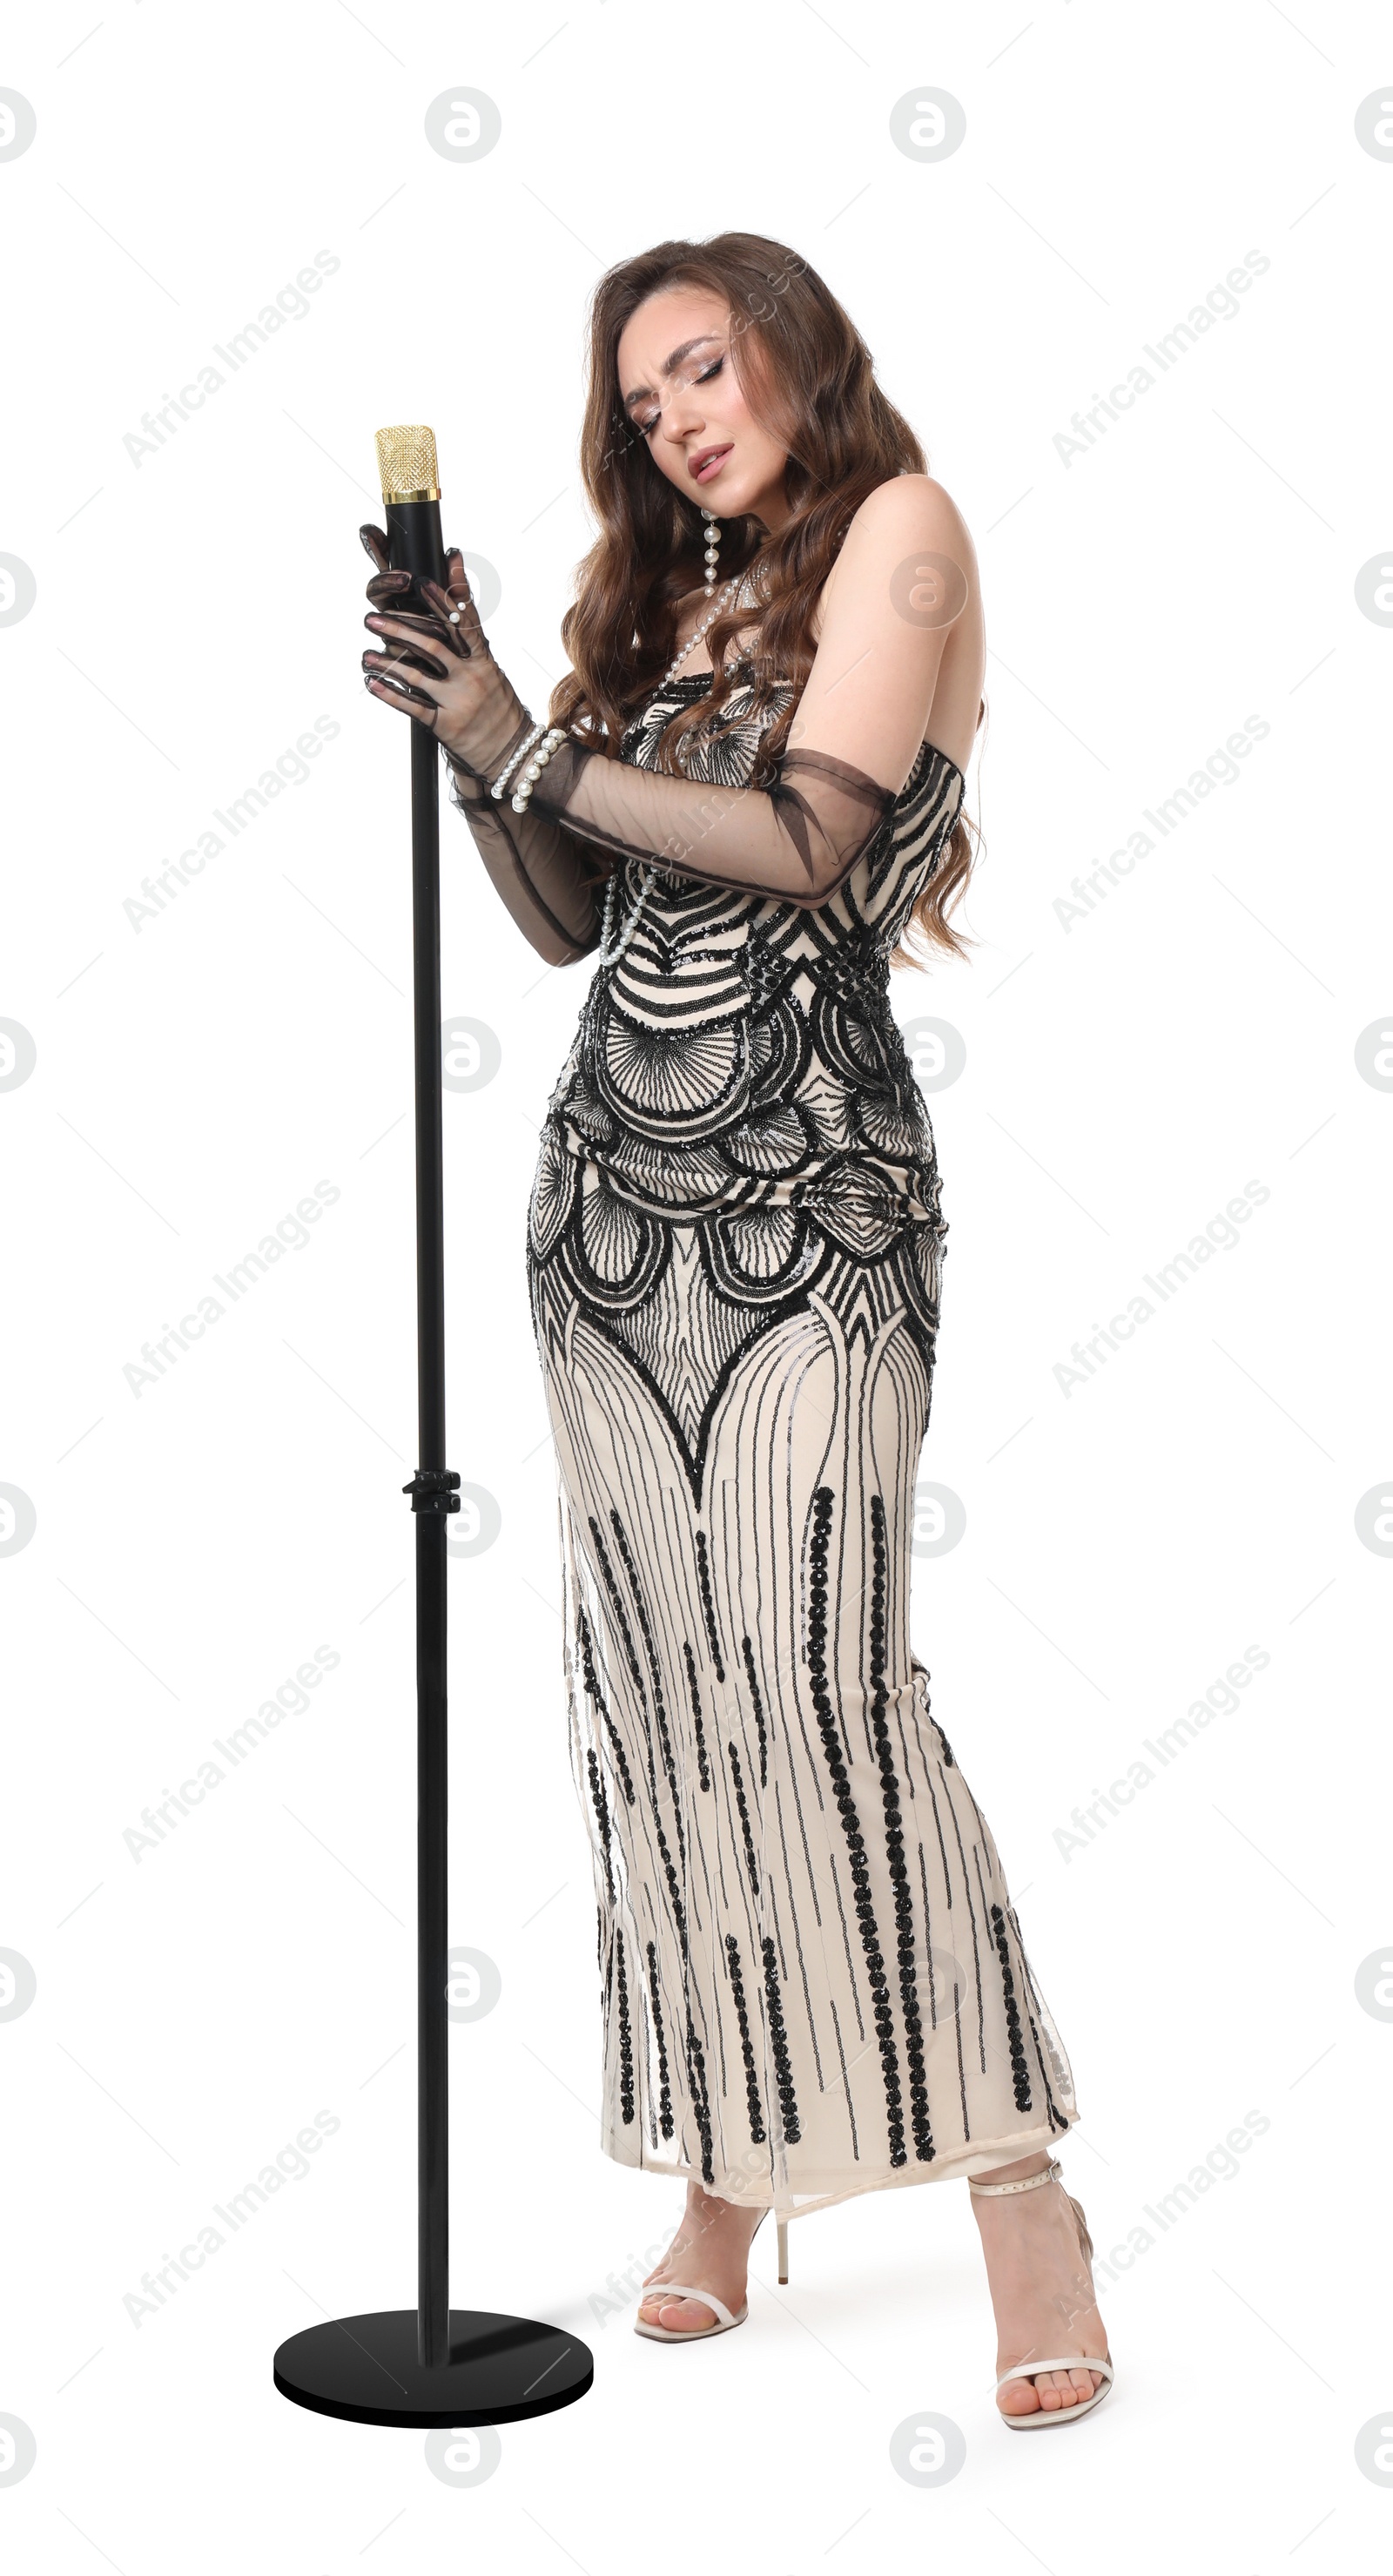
797, 839
542, 873
895, 589
544, 876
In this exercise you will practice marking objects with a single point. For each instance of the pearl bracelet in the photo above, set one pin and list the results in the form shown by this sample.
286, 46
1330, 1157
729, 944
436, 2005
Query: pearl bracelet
510, 765
551, 742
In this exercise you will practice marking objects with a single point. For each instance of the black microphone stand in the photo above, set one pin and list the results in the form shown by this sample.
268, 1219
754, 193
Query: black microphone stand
433, 2365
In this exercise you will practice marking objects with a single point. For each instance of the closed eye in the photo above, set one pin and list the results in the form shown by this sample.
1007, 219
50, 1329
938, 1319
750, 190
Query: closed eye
648, 426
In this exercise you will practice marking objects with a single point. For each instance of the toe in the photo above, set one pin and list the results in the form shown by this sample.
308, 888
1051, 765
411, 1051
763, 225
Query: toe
686, 2316
1050, 2392
658, 2307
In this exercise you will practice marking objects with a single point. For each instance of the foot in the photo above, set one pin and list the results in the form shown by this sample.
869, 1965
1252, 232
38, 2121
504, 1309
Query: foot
1042, 2291
711, 2250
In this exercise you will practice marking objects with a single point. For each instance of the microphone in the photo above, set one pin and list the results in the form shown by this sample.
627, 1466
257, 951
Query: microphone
407, 471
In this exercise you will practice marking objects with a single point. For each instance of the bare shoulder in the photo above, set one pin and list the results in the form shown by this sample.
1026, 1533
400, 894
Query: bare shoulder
911, 515
909, 511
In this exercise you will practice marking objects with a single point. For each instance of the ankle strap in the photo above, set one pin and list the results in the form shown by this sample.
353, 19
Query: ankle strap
1032, 2182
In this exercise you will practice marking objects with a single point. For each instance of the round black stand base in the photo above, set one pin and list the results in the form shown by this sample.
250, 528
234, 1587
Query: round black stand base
500, 2370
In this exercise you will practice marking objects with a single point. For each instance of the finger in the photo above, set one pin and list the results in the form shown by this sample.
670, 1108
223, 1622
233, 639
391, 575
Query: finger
425, 715
415, 667
375, 542
386, 588
411, 670
456, 607
406, 623
455, 592
410, 622
457, 581
409, 639
435, 624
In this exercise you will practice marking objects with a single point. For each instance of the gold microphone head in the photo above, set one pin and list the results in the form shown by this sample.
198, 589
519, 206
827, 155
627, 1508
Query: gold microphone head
406, 464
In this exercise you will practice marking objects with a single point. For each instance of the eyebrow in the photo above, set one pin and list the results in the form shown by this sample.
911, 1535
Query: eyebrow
675, 360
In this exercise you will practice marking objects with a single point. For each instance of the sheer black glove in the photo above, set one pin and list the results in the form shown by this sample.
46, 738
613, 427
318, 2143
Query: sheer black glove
438, 666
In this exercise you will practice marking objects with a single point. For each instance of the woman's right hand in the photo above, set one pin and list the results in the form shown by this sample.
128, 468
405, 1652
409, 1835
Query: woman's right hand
460, 693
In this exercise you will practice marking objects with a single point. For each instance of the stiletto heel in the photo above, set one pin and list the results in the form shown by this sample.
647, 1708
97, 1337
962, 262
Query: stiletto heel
1066, 2361
783, 2250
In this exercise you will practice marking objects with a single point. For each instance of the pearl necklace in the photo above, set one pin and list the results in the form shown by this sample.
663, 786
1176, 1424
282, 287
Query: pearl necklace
717, 609
610, 950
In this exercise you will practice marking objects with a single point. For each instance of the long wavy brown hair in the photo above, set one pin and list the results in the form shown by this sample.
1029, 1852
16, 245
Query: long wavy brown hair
808, 377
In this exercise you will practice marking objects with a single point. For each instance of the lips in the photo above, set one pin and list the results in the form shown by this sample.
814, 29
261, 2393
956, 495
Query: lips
707, 461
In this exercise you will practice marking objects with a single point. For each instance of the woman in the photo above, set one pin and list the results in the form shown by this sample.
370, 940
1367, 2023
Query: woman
750, 788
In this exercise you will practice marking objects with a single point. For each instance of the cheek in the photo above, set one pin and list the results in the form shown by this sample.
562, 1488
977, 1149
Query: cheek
734, 409
671, 462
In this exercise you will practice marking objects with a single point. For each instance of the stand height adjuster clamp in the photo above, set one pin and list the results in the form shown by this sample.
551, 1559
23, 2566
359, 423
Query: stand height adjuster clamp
433, 1489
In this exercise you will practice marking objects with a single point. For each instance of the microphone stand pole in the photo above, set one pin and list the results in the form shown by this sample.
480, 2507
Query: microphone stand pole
434, 2366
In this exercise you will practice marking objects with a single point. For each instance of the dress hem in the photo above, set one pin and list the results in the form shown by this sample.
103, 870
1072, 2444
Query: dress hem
982, 2157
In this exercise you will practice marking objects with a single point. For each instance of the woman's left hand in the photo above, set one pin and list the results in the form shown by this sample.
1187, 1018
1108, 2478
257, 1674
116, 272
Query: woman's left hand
439, 668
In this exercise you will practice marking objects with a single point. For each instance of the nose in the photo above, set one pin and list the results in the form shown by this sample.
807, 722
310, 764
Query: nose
683, 414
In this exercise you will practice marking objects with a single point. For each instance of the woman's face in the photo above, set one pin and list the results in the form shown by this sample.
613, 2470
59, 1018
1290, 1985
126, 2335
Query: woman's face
679, 390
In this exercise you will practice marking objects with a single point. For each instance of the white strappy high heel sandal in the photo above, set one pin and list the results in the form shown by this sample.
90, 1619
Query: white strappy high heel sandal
1060, 2361
725, 2317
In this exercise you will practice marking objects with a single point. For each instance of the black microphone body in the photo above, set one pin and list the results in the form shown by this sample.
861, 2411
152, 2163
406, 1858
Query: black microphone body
415, 545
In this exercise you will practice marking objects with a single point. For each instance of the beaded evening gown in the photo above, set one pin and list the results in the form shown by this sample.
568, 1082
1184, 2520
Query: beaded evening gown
812, 1975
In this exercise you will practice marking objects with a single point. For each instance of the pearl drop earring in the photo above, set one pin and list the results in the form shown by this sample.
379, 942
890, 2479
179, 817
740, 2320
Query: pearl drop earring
713, 547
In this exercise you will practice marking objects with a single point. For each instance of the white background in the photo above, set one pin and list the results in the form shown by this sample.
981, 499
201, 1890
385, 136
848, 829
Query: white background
196, 610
